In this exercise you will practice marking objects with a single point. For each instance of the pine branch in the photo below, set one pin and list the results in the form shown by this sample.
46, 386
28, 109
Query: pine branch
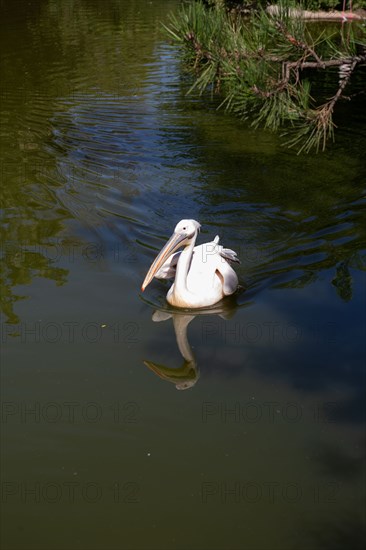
297, 43
301, 65
258, 67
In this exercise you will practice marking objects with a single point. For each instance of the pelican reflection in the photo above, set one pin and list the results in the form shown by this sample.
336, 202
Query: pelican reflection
186, 376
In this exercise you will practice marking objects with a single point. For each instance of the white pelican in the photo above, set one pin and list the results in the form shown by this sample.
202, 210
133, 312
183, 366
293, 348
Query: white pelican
203, 275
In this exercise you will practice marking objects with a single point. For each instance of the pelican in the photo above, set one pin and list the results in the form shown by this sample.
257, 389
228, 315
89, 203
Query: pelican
202, 274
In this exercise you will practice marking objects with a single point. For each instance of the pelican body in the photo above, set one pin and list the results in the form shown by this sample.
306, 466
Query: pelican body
202, 274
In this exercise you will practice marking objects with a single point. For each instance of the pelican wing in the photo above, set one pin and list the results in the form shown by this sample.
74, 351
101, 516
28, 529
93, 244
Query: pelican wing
229, 255
226, 273
229, 278
168, 269
210, 262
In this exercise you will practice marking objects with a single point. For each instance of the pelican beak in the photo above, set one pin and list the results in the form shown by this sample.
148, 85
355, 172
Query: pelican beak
176, 241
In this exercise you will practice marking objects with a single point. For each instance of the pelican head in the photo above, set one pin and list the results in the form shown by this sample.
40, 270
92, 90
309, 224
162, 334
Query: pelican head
188, 227
184, 232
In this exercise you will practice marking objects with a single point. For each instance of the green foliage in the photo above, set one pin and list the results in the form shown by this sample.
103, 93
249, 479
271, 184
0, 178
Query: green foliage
257, 66
321, 4
333, 4
306, 4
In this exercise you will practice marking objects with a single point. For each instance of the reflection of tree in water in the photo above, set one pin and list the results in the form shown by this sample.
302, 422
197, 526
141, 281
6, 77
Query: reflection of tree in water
305, 235
19, 267
23, 254
35, 89
94, 41
343, 282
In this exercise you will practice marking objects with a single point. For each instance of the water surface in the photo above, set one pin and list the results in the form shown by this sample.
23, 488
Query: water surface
102, 154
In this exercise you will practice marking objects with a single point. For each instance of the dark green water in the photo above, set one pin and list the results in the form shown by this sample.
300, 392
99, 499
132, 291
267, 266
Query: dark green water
102, 154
